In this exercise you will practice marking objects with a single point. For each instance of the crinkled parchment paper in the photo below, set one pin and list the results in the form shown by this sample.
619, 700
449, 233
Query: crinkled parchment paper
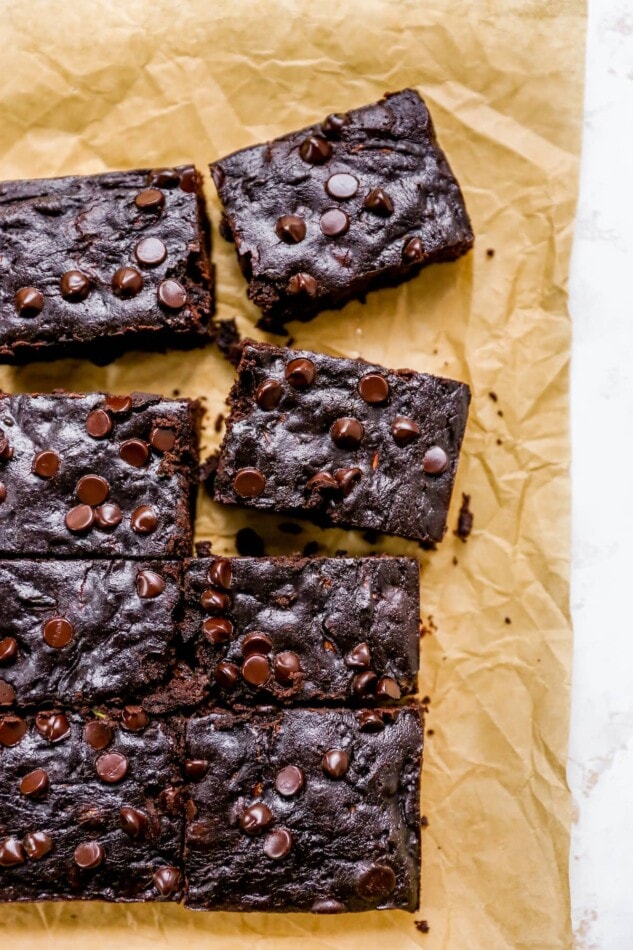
91, 86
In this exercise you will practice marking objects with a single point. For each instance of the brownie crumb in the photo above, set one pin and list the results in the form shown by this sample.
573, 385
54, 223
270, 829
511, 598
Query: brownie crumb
310, 549
229, 341
499, 442
428, 545
424, 821
507, 620
422, 926
207, 471
219, 419
455, 561
289, 527
249, 543
427, 627
175, 392
493, 396
426, 700
499, 412
464, 520
490, 252
290, 341
203, 548
370, 536
430, 732
341, 552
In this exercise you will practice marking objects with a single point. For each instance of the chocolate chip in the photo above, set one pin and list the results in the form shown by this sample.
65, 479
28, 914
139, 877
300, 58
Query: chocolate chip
217, 629
404, 430
341, 186
89, 855
149, 584
435, 460
98, 734
7, 694
373, 388
249, 482
35, 784
363, 684
11, 853
315, 150
347, 478
144, 519
289, 781
278, 844
111, 767
3, 492
290, 228
347, 433
335, 763
359, 657
256, 643
413, 251
37, 844
166, 880
327, 905
92, 489
12, 730
300, 373
118, 405
226, 675
75, 286
322, 481
215, 601
151, 199
8, 650
52, 726
378, 202
170, 800
189, 180
370, 721
388, 688
133, 822
58, 632
196, 769
268, 394
98, 424
172, 294
376, 883
164, 177
46, 464
334, 222
302, 283
29, 302
108, 516
162, 440
220, 573
135, 452
256, 818
286, 665
150, 252
134, 718
256, 670
127, 282
333, 124
80, 518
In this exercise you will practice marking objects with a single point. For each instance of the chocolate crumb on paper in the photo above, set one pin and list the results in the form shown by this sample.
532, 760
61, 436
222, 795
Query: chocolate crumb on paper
464, 520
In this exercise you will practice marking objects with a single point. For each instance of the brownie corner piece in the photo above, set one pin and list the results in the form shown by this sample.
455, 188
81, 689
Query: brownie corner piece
93, 266
319, 216
346, 442
304, 810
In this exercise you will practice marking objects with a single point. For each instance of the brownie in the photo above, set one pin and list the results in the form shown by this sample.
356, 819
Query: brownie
348, 442
90, 809
93, 266
362, 199
83, 632
97, 475
313, 629
304, 810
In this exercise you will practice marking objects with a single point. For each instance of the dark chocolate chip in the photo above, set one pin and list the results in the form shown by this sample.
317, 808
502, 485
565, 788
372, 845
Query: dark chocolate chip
164, 177
333, 124
92, 489
8, 650
144, 519
108, 516
435, 460
170, 800
404, 430
134, 718
46, 464
98, 734
413, 250
347, 478
334, 222
11, 853
172, 294
52, 726
300, 373
29, 302
133, 822
388, 688
256, 643
256, 670
135, 452
162, 439
341, 186
111, 767
80, 518
7, 694
75, 286
363, 684
196, 769
378, 202
166, 880
227, 674
118, 405
98, 424
347, 433
89, 855
327, 905
322, 481
335, 763
278, 844
359, 657
150, 252
268, 394
315, 150
376, 883
215, 601
289, 781
189, 180
302, 283
373, 388
370, 721
3, 492
58, 632
256, 818
220, 573
35, 784
37, 844
286, 666
149, 584
127, 282
151, 199
249, 482
290, 228
217, 629
12, 730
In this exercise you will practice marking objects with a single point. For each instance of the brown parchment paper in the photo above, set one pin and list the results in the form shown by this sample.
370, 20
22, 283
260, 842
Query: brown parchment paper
91, 86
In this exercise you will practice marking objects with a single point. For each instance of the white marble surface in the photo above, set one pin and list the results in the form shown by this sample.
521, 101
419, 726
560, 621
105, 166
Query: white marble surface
601, 753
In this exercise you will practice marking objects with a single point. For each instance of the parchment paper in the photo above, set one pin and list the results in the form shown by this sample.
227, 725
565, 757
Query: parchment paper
90, 86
